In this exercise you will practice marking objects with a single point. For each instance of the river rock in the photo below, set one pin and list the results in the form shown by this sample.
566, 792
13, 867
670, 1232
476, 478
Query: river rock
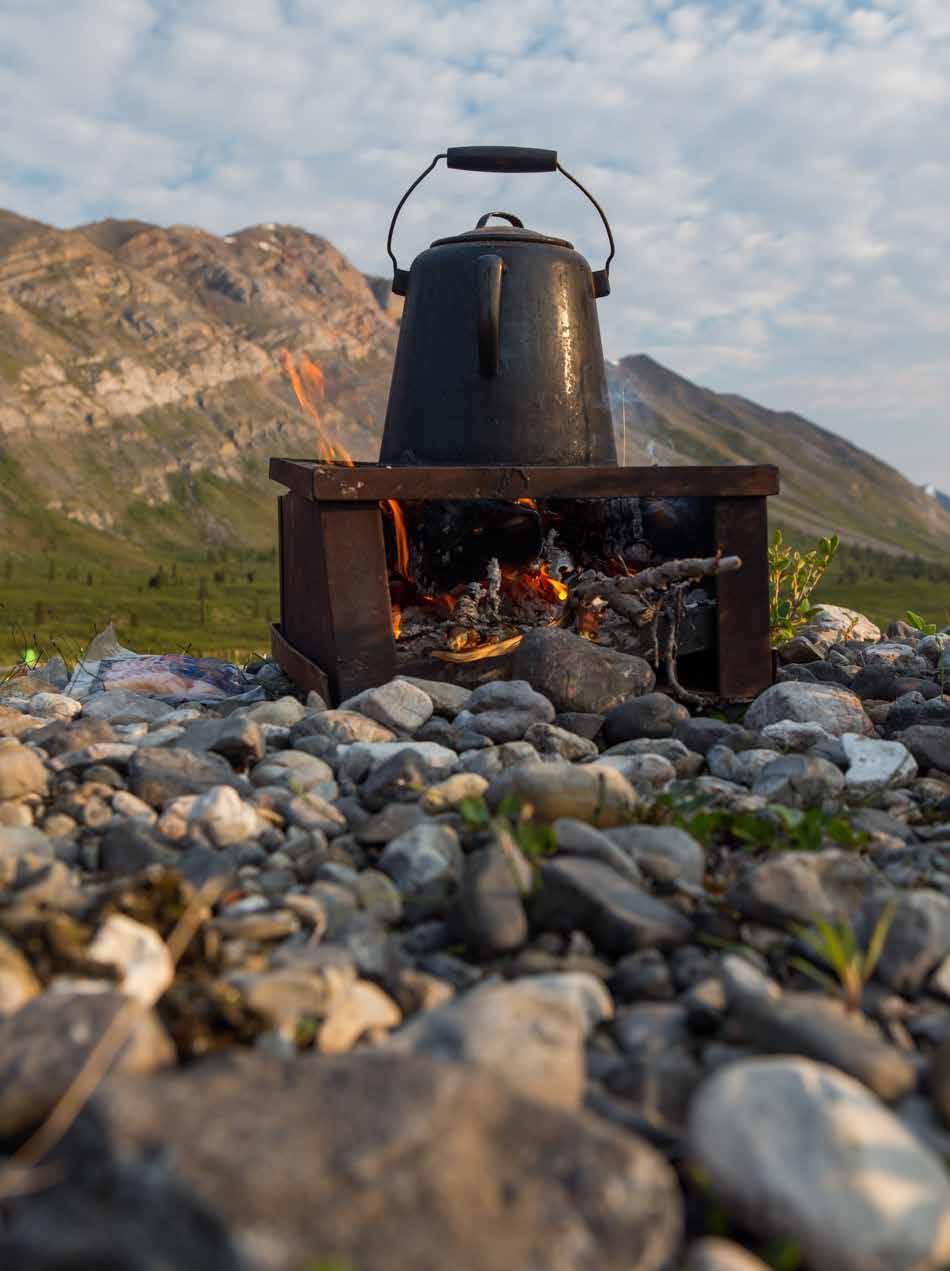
490, 762
529, 1032
489, 914
797, 1150
54, 706
577, 838
447, 699
876, 765
399, 705
238, 738
21, 771
504, 710
157, 776
549, 1182
586, 895
800, 781
18, 984
577, 675
929, 744
832, 624
918, 938
45, 1043
652, 715
588, 792
663, 852
713, 1253
222, 815
832, 707
138, 953
815, 1025
425, 860
798, 887
741, 766
119, 706
548, 739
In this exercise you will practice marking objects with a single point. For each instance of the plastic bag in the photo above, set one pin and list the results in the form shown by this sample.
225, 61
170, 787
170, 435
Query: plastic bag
172, 677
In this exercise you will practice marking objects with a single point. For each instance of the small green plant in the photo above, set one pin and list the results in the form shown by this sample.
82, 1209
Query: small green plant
514, 817
837, 945
917, 622
775, 827
793, 577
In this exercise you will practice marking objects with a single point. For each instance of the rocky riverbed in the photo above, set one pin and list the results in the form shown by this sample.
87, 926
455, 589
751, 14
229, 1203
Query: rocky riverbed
526, 977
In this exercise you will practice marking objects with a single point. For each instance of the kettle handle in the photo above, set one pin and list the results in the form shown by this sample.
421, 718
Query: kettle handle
500, 159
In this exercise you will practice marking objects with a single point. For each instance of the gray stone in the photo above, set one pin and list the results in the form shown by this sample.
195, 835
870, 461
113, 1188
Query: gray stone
652, 715
743, 766
577, 675
132, 845
583, 723
119, 706
832, 624
662, 852
647, 773
449, 793
489, 915
426, 860
588, 792
45, 1043
238, 738
285, 711
223, 816
528, 1032
495, 759
359, 760
447, 699
21, 771
401, 779
797, 1150
388, 824
800, 781
798, 887
548, 739
548, 1182
311, 812
139, 955
54, 706
297, 771
504, 710
918, 938
796, 737
814, 1025
23, 851
876, 765
343, 727
700, 735
577, 838
832, 707
157, 776
929, 744
586, 895
399, 705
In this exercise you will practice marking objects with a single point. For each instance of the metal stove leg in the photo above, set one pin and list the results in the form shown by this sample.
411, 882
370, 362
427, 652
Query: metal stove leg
745, 659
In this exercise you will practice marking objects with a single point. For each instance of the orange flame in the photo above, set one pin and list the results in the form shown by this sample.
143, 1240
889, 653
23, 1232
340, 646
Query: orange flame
529, 503
402, 537
541, 581
308, 384
397, 620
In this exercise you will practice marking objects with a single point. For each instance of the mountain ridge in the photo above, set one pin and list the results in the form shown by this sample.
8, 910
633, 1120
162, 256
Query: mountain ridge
142, 392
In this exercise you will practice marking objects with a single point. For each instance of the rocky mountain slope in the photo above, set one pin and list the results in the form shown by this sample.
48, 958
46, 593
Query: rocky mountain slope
142, 392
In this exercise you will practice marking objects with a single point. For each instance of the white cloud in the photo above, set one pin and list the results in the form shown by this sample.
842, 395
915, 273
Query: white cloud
775, 170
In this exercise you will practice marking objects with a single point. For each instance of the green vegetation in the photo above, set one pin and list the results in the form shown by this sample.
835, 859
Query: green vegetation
776, 827
514, 817
884, 587
837, 946
213, 603
793, 576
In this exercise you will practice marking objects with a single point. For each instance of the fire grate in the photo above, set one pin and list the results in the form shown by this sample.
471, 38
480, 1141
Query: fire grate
335, 633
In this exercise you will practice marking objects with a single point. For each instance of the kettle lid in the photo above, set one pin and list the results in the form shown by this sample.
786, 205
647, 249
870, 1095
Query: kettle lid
515, 232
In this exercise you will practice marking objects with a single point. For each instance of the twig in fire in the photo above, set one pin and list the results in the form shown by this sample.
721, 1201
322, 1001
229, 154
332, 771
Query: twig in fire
645, 598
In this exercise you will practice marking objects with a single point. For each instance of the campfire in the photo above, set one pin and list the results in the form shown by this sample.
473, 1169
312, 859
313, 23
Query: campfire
467, 579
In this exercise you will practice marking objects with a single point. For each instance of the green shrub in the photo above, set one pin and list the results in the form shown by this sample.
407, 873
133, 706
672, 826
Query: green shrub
793, 577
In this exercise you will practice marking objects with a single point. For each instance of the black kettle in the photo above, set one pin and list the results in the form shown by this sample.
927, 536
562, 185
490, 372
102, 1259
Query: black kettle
499, 359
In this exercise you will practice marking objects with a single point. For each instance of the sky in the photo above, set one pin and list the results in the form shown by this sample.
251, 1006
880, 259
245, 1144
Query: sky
776, 172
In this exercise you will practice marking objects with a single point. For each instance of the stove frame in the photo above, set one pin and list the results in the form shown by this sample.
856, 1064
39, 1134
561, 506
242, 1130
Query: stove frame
335, 631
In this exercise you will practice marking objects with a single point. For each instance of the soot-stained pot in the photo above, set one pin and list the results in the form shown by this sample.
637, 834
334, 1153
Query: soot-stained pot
499, 359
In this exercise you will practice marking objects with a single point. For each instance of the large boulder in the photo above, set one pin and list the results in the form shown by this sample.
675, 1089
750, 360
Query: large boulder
577, 675
835, 709
383, 1160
